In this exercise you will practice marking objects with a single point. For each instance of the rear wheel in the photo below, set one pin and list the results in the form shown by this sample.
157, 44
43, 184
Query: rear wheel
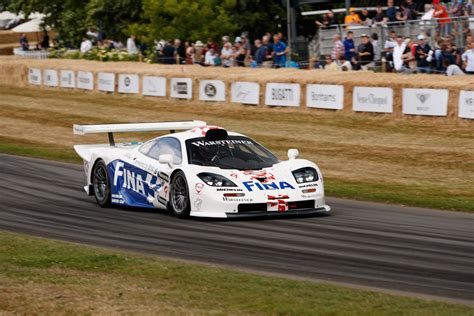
101, 184
179, 196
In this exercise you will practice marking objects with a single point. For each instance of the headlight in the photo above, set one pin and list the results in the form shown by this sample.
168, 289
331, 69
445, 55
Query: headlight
215, 180
306, 175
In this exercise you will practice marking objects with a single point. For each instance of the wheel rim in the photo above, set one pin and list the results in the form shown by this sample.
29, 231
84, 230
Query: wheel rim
100, 183
179, 196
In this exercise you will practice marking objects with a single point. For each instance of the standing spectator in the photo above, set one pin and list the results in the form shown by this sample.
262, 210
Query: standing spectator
329, 20
468, 59
198, 52
353, 18
86, 45
225, 40
45, 41
411, 10
210, 58
389, 45
377, 48
349, 46
226, 55
458, 9
452, 69
441, 13
398, 52
132, 46
189, 53
246, 46
169, 53
364, 17
338, 49
179, 52
391, 11
260, 53
268, 63
408, 56
240, 54
212, 44
280, 50
380, 17
444, 53
24, 42
423, 55
365, 53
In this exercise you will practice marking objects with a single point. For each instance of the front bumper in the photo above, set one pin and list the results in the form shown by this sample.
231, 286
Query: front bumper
290, 213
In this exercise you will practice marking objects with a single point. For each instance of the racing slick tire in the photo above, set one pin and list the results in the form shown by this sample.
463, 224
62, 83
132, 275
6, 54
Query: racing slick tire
179, 196
101, 184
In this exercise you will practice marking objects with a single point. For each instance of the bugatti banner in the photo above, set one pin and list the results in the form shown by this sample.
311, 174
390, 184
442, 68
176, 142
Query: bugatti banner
67, 79
283, 94
245, 92
181, 88
106, 81
466, 104
50, 77
371, 99
85, 80
211, 90
325, 96
34, 76
128, 83
425, 102
154, 86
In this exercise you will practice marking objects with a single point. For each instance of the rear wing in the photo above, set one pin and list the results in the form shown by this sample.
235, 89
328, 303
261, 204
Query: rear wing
135, 127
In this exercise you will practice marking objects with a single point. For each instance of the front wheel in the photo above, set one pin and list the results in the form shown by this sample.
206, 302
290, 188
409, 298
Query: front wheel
179, 196
101, 184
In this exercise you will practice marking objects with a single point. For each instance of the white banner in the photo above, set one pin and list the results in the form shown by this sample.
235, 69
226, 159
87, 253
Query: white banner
211, 90
245, 92
34, 76
50, 77
466, 104
128, 83
85, 80
106, 81
371, 99
425, 102
325, 96
154, 86
282, 94
181, 88
67, 79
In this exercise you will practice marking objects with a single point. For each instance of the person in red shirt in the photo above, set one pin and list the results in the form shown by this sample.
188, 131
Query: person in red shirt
441, 13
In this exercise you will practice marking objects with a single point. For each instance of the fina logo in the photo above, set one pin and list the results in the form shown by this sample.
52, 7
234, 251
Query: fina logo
131, 181
267, 186
423, 97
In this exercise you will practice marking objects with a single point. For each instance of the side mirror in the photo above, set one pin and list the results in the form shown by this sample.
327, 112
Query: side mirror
166, 159
293, 153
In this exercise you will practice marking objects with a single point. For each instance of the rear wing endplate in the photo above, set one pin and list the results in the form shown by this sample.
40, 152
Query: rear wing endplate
135, 127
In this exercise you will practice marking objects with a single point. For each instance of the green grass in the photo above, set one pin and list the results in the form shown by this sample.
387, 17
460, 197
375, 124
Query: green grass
50, 277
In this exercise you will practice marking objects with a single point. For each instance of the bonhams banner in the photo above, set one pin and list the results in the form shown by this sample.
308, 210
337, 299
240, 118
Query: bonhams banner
106, 81
50, 77
154, 86
34, 76
66, 79
128, 84
325, 96
371, 99
181, 88
425, 102
211, 90
245, 92
85, 80
466, 104
282, 94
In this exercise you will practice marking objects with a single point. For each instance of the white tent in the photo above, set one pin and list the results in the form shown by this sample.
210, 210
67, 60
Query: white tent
7, 15
30, 27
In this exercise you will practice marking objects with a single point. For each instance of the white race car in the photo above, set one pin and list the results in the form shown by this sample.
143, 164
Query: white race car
204, 171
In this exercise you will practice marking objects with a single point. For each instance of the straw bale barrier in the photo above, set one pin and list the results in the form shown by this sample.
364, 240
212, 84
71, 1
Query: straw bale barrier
14, 71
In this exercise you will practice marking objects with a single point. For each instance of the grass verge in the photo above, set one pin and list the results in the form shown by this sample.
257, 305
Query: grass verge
51, 277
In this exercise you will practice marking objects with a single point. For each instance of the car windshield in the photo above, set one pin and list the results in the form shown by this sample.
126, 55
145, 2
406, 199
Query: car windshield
233, 152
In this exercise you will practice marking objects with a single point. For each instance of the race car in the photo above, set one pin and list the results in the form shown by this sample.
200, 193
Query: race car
202, 171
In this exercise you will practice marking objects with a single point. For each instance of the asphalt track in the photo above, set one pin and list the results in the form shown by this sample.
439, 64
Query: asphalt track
417, 251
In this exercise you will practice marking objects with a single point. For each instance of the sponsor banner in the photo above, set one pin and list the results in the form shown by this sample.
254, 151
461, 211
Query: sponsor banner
106, 81
282, 94
34, 76
128, 84
85, 80
211, 90
154, 86
325, 96
466, 104
50, 77
67, 79
371, 99
425, 102
245, 92
181, 88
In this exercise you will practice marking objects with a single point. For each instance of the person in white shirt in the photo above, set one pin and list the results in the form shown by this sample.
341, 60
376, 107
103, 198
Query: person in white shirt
468, 59
132, 46
227, 55
210, 58
86, 45
398, 52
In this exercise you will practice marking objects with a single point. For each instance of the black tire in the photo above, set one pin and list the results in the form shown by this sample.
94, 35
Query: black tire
179, 196
101, 184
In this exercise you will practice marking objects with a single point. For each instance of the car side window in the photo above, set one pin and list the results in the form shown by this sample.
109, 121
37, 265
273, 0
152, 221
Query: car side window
164, 146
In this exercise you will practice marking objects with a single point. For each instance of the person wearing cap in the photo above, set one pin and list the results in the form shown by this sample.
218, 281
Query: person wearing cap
423, 55
198, 52
352, 18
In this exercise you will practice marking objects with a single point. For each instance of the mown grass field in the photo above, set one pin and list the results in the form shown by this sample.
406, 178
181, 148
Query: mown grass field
414, 161
42, 277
